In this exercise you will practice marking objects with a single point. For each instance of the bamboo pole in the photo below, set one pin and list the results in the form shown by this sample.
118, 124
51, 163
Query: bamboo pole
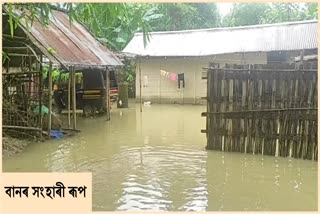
214, 107
247, 121
74, 99
40, 93
21, 127
195, 87
140, 85
160, 77
230, 122
208, 119
222, 108
108, 93
314, 141
50, 96
30, 69
69, 97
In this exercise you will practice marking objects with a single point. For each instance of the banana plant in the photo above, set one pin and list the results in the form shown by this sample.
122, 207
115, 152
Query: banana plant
115, 23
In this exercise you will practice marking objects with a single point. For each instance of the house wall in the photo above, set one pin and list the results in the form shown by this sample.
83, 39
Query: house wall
160, 89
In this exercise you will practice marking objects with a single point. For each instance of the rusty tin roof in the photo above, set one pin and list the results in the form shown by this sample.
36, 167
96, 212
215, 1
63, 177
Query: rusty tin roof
70, 45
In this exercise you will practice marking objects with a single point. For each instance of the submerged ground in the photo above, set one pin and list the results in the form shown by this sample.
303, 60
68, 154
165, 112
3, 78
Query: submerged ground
155, 160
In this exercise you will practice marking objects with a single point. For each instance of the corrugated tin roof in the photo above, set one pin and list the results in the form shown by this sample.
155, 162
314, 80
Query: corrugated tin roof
205, 42
73, 46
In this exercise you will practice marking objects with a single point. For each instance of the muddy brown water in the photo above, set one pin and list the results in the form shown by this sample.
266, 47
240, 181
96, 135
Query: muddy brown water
155, 160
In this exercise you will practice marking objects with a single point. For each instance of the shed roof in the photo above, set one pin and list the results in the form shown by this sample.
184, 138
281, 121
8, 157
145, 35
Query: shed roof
73, 45
205, 42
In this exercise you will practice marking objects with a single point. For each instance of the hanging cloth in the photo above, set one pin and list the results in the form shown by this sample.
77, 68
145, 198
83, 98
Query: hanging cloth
173, 77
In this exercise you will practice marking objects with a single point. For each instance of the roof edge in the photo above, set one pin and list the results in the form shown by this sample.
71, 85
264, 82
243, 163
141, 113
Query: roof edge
231, 28
210, 55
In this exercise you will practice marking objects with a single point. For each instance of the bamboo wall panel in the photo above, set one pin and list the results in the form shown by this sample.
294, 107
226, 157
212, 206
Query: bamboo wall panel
263, 109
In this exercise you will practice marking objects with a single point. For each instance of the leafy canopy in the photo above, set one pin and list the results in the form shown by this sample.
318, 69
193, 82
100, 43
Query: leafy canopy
267, 13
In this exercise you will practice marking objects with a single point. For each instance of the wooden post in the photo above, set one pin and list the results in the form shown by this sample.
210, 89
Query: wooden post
69, 97
74, 98
273, 105
208, 117
140, 84
108, 93
50, 97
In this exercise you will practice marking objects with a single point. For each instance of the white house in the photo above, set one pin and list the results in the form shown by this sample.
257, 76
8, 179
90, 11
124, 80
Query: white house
169, 54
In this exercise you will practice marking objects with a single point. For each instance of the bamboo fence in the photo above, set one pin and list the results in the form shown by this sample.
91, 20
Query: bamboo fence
263, 109
21, 93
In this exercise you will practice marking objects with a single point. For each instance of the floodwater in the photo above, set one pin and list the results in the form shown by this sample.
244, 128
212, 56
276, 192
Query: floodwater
155, 160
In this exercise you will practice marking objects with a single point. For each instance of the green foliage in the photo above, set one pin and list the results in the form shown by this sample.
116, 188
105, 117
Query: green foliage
29, 12
51, 50
266, 13
127, 72
5, 57
284, 12
185, 16
312, 10
55, 72
245, 14
127, 75
115, 23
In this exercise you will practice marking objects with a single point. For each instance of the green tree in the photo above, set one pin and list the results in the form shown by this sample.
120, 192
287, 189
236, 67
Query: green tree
312, 10
267, 13
184, 16
245, 14
116, 23
112, 23
285, 12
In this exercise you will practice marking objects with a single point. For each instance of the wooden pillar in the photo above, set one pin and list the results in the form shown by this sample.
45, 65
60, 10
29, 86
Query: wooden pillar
108, 93
74, 99
69, 97
50, 97
140, 85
